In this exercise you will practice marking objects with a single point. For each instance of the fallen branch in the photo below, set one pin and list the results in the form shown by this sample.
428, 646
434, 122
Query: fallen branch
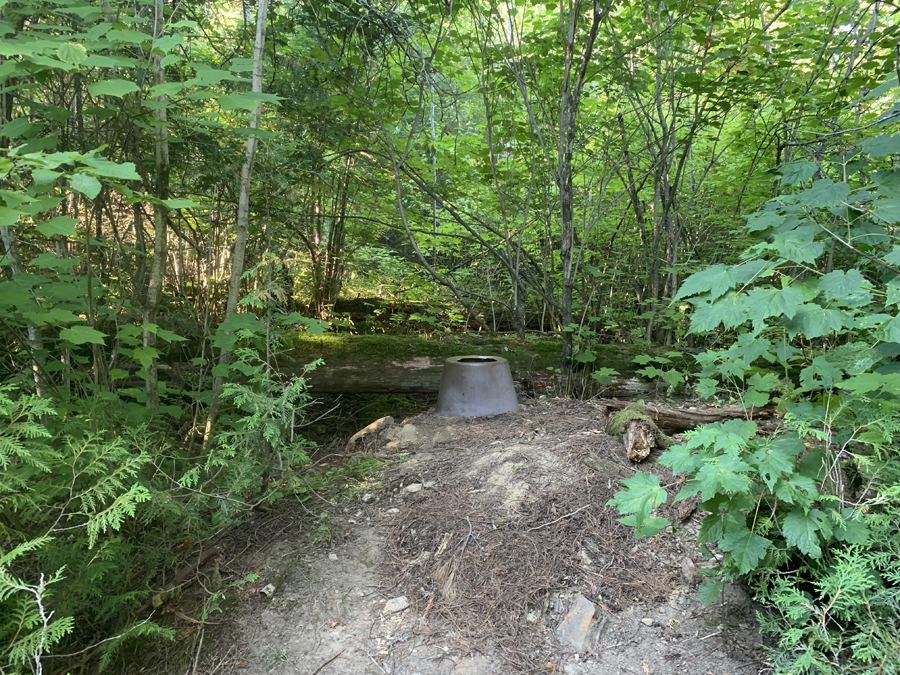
316, 671
568, 515
182, 615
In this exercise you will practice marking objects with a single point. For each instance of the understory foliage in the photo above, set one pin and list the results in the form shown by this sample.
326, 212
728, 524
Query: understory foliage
808, 515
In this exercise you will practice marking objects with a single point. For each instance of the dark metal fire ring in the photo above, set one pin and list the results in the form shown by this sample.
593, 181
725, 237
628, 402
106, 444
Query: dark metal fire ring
476, 386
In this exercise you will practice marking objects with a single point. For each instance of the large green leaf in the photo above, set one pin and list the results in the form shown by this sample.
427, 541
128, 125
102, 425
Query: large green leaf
763, 220
848, 526
825, 193
103, 167
728, 436
846, 288
801, 528
798, 245
680, 459
72, 53
797, 172
745, 547
815, 321
117, 87
709, 592
888, 210
776, 458
784, 302
820, 374
881, 145
80, 335
715, 280
85, 184
641, 495
725, 474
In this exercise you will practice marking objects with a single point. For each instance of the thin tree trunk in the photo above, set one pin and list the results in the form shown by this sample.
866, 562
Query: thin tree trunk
242, 226
7, 234
160, 211
570, 97
34, 339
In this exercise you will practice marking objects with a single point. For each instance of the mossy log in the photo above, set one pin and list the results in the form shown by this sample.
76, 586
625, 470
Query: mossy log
422, 375
680, 419
419, 375
638, 431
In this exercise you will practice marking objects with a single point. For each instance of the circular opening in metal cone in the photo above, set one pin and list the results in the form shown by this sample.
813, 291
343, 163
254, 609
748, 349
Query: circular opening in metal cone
475, 359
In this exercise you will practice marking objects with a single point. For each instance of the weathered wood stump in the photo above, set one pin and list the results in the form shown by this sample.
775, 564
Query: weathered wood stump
639, 439
638, 431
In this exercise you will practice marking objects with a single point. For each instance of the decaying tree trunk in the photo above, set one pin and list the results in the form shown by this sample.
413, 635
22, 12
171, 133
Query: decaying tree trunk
640, 439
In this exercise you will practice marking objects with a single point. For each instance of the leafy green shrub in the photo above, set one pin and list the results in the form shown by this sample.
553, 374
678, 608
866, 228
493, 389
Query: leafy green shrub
808, 515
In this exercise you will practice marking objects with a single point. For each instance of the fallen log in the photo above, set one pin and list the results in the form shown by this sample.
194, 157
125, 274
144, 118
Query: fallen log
422, 375
681, 419
419, 375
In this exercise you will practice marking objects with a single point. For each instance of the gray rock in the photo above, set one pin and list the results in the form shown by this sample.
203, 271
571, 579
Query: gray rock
395, 605
332, 556
444, 435
413, 487
647, 622
366, 498
403, 436
575, 628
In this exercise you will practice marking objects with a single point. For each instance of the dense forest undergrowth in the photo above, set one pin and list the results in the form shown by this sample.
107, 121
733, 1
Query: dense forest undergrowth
704, 194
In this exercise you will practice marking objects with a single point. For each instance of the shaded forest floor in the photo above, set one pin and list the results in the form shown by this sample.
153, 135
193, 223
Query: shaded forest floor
466, 558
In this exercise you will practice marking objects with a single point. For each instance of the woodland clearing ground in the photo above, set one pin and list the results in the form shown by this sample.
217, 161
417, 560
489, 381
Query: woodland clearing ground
509, 529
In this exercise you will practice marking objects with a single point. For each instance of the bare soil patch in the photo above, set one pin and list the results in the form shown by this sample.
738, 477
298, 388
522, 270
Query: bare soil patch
467, 558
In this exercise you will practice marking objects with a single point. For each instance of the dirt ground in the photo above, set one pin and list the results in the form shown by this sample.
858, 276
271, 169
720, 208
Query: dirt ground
466, 556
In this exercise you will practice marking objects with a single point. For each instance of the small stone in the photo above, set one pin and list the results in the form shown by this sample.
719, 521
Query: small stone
368, 497
647, 622
429, 484
393, 510
396, 605
332, 556
444, 435
575, 628
413, 488
404, 436
689, 569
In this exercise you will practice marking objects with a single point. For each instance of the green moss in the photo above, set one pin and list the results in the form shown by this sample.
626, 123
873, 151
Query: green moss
535, 353
617, 423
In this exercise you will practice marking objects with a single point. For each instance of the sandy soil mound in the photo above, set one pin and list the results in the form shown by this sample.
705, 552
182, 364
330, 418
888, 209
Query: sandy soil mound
488, 550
